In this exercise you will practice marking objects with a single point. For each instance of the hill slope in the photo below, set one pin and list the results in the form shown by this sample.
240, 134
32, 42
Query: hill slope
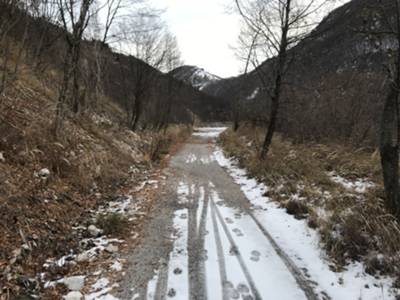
195, 76
45, 45
333, 85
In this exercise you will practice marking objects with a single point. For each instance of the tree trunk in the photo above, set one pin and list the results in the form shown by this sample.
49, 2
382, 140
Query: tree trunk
271, 127
137, 113
389, 150
390, 135
62, 97
236, 116
75, 77
276, 96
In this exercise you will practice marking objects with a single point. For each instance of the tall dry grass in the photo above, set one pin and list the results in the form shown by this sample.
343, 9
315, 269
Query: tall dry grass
352, 225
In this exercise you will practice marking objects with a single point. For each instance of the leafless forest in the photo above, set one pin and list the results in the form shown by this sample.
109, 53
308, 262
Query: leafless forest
97, 106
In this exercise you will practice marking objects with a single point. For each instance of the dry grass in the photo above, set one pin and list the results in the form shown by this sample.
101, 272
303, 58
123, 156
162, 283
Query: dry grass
93, 156
352, 225
161, 142
112, 224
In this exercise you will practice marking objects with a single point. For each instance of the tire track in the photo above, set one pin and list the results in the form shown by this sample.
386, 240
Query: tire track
302, 282
162, 282
297, 274
236, 251
220, 254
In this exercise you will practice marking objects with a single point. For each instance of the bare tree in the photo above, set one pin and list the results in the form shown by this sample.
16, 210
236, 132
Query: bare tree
244, 52
278, 25
388, 11
172, 60
103, 30
146, 37
75, 16
11, 13
48, 13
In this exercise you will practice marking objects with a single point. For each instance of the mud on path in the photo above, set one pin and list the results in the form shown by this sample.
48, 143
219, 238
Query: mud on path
203, 241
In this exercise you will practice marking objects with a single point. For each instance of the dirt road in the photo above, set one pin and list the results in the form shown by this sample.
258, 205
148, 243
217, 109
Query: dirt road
203, 241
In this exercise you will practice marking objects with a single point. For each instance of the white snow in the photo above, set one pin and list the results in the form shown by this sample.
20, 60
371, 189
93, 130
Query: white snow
100, 284
178, 260
254, 94
151, 287
258, 256
116, 266
191, 158
74, 283
101, 290
199, 78
94, 246
74, 295
183, 192
201, 159
120, 206
208, 132
302, 244
359, 185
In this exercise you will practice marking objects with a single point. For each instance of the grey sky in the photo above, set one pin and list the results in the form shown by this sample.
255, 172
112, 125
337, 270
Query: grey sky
206, 33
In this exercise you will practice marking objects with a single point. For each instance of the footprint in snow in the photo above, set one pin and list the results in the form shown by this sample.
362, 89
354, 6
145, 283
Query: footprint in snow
243, 289
171, 293
178, 271
229, 220
237, 231
255, 255
183, 216
233, 251
231, 291
204, 255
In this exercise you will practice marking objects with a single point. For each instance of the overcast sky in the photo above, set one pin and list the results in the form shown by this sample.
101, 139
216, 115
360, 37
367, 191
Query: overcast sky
206, 33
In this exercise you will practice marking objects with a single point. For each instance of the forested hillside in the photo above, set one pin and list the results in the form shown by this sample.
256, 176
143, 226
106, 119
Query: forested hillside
334, 87
127, 173
68, 149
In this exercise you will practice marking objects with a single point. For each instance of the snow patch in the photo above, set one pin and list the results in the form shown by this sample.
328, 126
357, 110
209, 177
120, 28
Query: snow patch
208, 132
254, 94
359, 185
302, 245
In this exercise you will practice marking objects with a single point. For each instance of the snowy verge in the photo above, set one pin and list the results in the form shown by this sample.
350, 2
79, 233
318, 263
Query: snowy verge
99, 253
360, 185
208, 132
302, 245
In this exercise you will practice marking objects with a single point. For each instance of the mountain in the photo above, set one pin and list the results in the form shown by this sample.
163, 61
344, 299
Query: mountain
120, 72
195, 76
336, 85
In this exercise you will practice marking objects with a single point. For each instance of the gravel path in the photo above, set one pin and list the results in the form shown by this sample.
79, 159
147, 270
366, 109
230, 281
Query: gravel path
204, 242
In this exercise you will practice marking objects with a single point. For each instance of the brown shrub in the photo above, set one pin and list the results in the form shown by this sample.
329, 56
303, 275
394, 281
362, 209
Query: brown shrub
353, 226
113, 223
297, 209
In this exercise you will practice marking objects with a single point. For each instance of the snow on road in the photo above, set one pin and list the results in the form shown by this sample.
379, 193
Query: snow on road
232, 242
302, 244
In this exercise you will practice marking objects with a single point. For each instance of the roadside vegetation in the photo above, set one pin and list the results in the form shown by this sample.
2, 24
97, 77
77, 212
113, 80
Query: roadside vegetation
50, 184
337, 189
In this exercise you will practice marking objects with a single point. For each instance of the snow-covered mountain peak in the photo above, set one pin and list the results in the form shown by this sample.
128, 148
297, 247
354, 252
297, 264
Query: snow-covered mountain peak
195, 76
